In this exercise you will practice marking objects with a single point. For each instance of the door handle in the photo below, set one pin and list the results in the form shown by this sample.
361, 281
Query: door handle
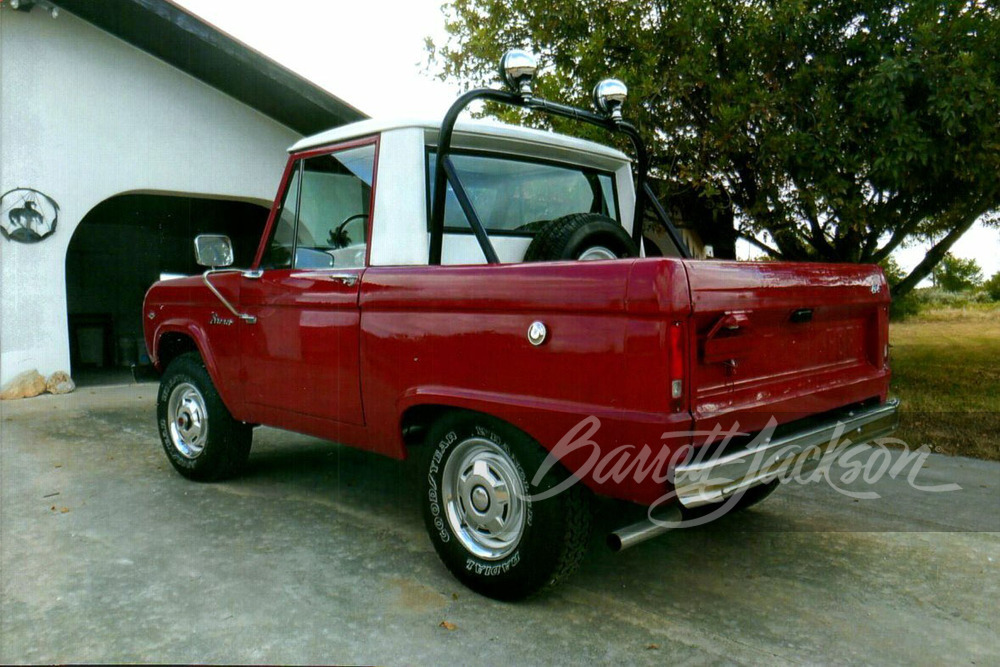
348, 279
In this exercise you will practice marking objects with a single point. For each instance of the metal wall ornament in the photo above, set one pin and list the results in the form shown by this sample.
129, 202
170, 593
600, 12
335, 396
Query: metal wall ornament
27, 215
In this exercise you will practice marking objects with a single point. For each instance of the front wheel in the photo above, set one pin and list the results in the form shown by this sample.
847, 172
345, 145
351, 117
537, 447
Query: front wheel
481, 516
201, 439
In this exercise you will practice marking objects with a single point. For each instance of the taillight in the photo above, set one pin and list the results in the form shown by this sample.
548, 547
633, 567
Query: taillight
676, 349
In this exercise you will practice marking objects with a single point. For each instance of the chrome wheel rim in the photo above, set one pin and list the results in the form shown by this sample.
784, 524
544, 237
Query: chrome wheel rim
484, 499
187, 420
597, 252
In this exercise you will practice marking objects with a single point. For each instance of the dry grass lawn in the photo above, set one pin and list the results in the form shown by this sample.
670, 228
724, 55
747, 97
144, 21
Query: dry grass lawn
946, 373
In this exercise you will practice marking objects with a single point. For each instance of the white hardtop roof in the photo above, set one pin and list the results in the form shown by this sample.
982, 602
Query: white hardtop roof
366, 128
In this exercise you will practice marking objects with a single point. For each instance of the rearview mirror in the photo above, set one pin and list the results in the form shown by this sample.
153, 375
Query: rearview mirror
213, 250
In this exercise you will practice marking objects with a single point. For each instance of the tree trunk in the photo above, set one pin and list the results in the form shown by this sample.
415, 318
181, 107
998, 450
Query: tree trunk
934, 255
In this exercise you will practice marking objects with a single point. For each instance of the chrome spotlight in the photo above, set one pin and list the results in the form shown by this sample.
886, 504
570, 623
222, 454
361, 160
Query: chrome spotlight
517, 69
609, 95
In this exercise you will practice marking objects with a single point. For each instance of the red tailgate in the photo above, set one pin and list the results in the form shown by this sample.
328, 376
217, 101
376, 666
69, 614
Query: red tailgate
787, 340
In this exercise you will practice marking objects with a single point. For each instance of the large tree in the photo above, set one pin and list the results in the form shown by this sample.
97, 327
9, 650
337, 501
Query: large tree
836, 130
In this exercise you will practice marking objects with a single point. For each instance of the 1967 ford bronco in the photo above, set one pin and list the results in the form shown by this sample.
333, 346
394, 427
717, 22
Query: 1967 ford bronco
482, 296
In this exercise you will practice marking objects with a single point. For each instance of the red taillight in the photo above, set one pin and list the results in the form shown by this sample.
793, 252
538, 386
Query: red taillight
676, 365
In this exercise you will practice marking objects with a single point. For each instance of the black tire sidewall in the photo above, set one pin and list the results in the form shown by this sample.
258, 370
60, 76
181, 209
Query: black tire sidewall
598, 233
568, 237
530, 566
228, 442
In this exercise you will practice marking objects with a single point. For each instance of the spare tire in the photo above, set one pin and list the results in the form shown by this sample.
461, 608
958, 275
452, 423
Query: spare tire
583, 236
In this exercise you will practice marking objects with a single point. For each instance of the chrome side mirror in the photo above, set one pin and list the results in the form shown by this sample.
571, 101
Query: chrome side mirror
517, 69
213, 250
609, 95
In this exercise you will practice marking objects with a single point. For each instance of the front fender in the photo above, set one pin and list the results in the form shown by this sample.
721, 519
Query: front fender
224, 372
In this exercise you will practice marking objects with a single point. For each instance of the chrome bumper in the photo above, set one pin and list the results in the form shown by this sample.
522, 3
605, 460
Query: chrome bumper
701, 482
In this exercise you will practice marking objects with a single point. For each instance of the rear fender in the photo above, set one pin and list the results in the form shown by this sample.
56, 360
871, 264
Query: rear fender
565, 425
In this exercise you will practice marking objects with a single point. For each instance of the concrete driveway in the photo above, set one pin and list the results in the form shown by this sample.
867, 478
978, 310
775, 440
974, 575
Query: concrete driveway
318, 555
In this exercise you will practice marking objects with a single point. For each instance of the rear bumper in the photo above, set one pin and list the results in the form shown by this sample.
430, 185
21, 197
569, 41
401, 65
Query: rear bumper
716, 477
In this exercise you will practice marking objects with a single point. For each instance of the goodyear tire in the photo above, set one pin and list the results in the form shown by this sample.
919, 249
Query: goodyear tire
479, 511
201, 439
582, 236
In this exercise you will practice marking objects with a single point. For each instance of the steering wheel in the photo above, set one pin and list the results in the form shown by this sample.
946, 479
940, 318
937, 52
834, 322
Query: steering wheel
338, 237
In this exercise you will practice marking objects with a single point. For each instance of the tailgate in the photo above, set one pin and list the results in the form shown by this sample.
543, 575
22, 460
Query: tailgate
787, 340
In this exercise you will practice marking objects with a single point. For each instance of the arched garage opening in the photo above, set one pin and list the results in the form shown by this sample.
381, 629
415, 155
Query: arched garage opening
120, 248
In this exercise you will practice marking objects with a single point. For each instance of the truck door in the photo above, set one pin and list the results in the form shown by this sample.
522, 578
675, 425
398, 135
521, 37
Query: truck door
302, 356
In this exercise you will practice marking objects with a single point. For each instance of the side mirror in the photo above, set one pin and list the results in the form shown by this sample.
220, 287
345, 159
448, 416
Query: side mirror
213, 250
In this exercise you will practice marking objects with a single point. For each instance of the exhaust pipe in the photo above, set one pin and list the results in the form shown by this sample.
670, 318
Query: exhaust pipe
629, 536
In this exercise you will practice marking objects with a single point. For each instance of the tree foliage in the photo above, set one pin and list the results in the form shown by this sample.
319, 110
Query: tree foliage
835, 129
992, 287
954, 274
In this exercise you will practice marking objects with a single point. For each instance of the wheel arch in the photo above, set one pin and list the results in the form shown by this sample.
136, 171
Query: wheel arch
560, 427
419, 409
172, 344
174, 338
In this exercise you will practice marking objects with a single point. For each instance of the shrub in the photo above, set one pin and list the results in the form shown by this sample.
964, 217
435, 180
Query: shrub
902, 308
992, 287
935, 297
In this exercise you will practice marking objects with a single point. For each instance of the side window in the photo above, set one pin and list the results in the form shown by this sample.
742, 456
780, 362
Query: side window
278, 254
323, 223
334, 209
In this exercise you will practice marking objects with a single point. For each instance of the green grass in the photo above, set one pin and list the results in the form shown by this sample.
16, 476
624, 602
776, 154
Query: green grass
946, 373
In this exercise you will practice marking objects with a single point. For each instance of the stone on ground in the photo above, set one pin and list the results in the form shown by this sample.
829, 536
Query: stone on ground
24, 385
59, 383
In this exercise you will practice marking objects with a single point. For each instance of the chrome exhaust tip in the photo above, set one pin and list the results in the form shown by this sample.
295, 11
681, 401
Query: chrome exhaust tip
647, 529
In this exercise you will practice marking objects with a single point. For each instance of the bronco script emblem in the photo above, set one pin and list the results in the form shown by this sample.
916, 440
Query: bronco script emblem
27, 215
225, 321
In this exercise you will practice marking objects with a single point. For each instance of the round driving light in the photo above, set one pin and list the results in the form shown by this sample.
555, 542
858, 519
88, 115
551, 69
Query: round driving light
609, 95
517, 69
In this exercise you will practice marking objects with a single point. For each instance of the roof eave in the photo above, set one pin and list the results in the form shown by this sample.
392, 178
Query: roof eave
185, 41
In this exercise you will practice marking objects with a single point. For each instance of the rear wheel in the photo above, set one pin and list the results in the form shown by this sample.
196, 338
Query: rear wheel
481, 516
200, 437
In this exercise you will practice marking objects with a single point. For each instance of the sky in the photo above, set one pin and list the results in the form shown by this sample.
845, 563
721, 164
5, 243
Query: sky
371, 55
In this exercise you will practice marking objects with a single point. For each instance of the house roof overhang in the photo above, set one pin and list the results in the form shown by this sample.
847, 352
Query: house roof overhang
181, 39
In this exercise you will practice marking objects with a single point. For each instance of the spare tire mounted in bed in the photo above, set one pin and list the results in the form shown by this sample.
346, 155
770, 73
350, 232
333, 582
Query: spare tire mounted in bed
584, 236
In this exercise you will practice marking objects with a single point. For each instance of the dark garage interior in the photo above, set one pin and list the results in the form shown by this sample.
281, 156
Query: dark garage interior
119, 249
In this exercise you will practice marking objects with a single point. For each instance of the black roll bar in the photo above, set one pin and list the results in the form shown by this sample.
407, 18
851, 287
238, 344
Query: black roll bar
445, 172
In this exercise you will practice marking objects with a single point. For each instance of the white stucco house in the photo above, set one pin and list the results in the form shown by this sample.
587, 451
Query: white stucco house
127, 127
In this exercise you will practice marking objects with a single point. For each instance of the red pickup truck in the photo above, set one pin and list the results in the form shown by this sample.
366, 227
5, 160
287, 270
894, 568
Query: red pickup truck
483, 296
